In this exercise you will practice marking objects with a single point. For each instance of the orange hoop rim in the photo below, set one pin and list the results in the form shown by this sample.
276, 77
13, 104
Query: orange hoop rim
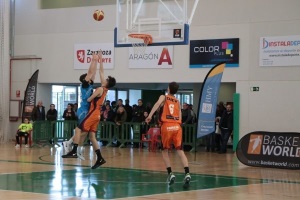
146, 37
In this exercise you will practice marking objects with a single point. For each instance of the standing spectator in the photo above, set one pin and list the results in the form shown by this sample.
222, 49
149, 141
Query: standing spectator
75, 108
38, 112
193, 114
119, 104
148, 107
138, 116
218, 141
52, 113
114, 106
108, 115
120, 118
129, 110
138, 112
69, 114
186, 114
23, 130
222, 107
52, 116
226, 126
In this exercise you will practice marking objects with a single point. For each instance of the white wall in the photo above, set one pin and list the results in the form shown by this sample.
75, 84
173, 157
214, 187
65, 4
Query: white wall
51, 34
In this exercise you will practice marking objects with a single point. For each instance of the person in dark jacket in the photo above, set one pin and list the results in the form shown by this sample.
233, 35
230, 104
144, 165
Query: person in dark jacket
38, 112
226, 126
52, 116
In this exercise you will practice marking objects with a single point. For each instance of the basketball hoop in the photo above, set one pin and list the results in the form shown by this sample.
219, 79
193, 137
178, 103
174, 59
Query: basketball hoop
140, 42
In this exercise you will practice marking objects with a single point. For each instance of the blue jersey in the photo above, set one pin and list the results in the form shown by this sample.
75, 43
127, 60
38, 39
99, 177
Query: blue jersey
84, 105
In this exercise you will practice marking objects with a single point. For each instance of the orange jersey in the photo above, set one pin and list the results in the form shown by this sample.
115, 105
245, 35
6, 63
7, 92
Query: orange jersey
91, 121
171, 111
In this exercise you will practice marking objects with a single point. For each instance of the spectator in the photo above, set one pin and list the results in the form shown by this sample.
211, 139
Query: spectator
108, 115
38, 112
52, 116
226, 126
120, 118
23, 130
186, 114
129, 110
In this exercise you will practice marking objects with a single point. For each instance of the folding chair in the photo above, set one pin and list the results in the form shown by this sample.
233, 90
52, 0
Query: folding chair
152, 138
29, 139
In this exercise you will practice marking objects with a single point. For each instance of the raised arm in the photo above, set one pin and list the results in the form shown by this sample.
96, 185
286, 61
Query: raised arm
101, 69
93, 68
97, 92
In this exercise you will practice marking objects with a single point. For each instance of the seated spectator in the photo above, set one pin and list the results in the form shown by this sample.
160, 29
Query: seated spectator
23, 130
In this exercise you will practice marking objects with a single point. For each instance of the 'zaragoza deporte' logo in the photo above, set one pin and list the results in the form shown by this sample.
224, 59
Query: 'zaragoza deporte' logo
255, 144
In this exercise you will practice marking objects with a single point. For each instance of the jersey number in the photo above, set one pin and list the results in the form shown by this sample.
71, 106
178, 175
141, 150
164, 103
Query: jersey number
171, 108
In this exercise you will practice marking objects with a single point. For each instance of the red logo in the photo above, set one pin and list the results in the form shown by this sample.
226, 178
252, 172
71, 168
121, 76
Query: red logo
165, 57
80, 55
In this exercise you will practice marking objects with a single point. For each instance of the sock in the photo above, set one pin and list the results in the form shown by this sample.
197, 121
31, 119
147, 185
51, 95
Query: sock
98, 153
74, 150
70, 141
169, 170
187, 170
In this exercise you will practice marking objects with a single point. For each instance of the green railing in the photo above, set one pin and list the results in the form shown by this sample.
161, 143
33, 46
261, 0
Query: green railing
59, 130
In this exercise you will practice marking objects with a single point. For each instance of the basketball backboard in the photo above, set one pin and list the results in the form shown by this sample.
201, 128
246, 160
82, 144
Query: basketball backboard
167, 21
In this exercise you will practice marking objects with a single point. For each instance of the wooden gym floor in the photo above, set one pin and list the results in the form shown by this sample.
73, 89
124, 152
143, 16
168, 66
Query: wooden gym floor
41, 173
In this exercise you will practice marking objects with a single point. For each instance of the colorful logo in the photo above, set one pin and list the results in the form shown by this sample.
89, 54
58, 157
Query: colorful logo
255, 144
81, 55
227, 47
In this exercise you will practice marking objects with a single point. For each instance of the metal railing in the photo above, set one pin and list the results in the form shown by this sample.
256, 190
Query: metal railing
128, 132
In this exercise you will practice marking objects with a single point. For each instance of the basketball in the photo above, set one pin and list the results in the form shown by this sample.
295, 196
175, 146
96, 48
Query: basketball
98, 15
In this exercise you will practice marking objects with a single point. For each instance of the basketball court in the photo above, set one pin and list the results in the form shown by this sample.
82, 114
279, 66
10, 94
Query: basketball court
41, 173
130, 173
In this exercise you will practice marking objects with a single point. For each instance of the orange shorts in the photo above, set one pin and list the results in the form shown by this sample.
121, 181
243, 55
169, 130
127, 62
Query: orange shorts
171, 133
90, 122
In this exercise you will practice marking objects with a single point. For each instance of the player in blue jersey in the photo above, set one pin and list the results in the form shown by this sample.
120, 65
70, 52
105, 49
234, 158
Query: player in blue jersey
86, 88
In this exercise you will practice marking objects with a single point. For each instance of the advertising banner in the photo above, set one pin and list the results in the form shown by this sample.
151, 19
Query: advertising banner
270, 149
83, 55
30, 96
279, 51
207, 53
209, 100
158, 57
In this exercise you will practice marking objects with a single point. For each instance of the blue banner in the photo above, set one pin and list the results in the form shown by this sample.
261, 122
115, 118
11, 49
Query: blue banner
209, 100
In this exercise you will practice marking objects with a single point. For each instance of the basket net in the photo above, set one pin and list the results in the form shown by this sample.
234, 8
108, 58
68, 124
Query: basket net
140, 42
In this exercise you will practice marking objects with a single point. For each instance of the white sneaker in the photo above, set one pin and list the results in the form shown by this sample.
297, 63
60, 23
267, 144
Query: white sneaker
80, 156
17, 146
186, 180
26, 145
67, 147
171, 179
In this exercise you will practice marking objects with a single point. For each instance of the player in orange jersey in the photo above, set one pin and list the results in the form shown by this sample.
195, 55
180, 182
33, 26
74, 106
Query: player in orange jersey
91, 121
171, 130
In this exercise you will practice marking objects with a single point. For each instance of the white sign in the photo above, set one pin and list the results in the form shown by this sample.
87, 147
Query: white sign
155, 57
83, 55
280, 51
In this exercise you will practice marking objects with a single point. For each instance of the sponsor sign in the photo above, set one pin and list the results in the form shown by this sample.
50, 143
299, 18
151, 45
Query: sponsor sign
154, 57
208, 101
83, 55
30, 96
207, 53
279, 51
269, 149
